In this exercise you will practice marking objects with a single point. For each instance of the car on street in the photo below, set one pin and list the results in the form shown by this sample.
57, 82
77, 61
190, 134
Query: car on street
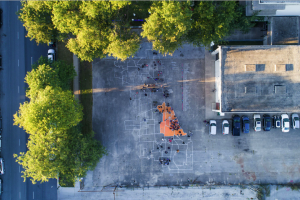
51, 55
236, 125
267, 122
2, 166
212, 127
52, 44
257, 122
295, 121
285, 123
225, 127
276, 121
246, 124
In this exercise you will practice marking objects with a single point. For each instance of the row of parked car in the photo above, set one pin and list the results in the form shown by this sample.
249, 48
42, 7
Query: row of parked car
266, 123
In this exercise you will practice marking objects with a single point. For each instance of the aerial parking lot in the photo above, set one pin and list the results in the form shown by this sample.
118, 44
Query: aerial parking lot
125, 118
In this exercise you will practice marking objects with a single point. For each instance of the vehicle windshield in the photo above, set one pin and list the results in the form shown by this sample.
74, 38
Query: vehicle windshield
285, 120
213, 124
226, 125
296, 118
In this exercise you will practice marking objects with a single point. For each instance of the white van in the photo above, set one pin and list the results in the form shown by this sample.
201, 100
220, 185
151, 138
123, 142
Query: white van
212, 127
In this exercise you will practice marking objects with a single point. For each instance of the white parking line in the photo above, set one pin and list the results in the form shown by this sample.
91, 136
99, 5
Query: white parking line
19, 142
31, 60
18, 63
19, 195
33, 195
17, 8
19, 168
18, 89
18, 35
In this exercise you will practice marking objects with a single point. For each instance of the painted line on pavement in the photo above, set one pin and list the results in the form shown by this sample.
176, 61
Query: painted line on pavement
18, 35
18, 63
19, 168
18, 89
31, 60
33, 195
19, 195
17, 8
19, 142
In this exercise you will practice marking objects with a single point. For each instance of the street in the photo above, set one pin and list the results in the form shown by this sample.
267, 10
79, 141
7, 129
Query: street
18, 54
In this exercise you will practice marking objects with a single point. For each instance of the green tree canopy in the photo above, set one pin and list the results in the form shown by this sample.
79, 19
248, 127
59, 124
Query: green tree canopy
214, 20
51, 118
53, 110
88, 27
167, 25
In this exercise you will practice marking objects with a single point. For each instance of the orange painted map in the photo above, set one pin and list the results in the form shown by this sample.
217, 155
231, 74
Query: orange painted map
169, 125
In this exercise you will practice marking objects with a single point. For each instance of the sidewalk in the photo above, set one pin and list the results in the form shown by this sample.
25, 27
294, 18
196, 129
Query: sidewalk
210, 86
76, 78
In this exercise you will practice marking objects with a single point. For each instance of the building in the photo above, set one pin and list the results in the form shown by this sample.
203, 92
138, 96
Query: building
273, 7
257, 78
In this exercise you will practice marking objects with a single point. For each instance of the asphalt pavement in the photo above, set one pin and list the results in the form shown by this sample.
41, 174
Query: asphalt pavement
18, 54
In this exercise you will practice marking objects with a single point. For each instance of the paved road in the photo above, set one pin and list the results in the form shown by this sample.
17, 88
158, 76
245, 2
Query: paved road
18, 53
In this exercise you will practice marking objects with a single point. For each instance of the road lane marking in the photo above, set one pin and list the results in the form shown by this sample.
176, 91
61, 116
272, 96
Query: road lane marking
18, 89
18, 35
31, 60
18, 63
19, 142
33, 194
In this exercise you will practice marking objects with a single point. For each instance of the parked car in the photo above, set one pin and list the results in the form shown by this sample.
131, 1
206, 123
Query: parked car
236, 125
285, 123
52, 44
2, 166
246, 124
295, 121
225, 127
276, 121
257, 122
51, 55
212, 127
267, 122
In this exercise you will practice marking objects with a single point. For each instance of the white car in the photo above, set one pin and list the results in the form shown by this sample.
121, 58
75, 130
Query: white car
225, 127
212, 127
51, 55
285, 123
295, 121
257, 122
1, 166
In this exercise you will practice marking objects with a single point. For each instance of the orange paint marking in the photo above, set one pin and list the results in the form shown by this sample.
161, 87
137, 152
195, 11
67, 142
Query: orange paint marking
169, 125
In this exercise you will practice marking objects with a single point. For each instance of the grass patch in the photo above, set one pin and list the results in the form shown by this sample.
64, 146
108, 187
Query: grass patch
86, 95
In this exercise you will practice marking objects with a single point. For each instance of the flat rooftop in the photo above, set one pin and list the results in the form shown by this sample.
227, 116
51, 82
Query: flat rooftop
260, 78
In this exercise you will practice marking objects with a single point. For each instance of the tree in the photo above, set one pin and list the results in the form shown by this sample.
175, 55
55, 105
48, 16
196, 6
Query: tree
53, 110
69, 154
214, 20
63, 72
167, 25
36, 18
86, 26
123, 43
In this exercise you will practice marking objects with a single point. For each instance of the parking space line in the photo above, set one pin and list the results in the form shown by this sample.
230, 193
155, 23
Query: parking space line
18, 63
19, 195
19, 142
17, 8
19, 168
31, 60
33, 195
18, 35
18, 89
